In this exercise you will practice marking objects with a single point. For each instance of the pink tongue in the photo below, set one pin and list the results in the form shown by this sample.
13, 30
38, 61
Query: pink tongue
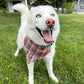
47, 36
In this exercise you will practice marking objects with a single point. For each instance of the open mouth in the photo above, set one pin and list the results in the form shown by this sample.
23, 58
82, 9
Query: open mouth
46, 34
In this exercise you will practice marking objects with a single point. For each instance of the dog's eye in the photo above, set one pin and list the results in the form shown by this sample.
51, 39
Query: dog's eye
52, 15
38, 15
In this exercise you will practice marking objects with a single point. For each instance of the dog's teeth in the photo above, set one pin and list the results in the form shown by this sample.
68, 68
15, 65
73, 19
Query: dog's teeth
42, 32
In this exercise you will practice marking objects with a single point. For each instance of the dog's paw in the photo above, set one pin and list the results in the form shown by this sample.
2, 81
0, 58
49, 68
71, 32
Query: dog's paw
31, 82
55, 79
17, 51
16, 54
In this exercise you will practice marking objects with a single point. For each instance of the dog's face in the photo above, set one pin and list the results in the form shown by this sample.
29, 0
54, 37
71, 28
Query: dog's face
44, 18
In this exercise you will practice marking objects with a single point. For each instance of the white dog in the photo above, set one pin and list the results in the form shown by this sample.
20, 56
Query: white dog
41, 24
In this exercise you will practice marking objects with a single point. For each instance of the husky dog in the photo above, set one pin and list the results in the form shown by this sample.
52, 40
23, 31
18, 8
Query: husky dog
41, 24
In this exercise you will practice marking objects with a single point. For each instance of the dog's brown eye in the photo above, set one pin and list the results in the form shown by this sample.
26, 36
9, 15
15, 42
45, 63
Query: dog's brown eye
38, 15
52, 15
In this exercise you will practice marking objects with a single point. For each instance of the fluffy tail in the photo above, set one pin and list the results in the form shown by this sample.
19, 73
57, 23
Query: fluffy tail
23, 9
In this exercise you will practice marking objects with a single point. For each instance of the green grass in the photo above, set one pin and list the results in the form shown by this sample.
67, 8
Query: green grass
68, 61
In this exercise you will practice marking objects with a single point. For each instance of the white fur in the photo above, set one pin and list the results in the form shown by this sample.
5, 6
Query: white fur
29, 22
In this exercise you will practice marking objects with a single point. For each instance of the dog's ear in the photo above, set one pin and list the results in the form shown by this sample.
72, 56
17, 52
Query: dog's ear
33, 9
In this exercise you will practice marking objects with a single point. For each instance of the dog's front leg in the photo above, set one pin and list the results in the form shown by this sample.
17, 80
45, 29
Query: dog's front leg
31, 73
49, 64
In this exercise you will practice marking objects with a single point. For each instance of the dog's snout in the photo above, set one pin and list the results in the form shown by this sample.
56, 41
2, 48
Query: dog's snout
50, 22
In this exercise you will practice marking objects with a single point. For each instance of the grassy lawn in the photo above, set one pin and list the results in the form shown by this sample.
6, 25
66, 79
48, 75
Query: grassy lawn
68, 61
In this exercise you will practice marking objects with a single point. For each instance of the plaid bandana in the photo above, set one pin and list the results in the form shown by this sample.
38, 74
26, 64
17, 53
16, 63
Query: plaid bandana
34, 51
